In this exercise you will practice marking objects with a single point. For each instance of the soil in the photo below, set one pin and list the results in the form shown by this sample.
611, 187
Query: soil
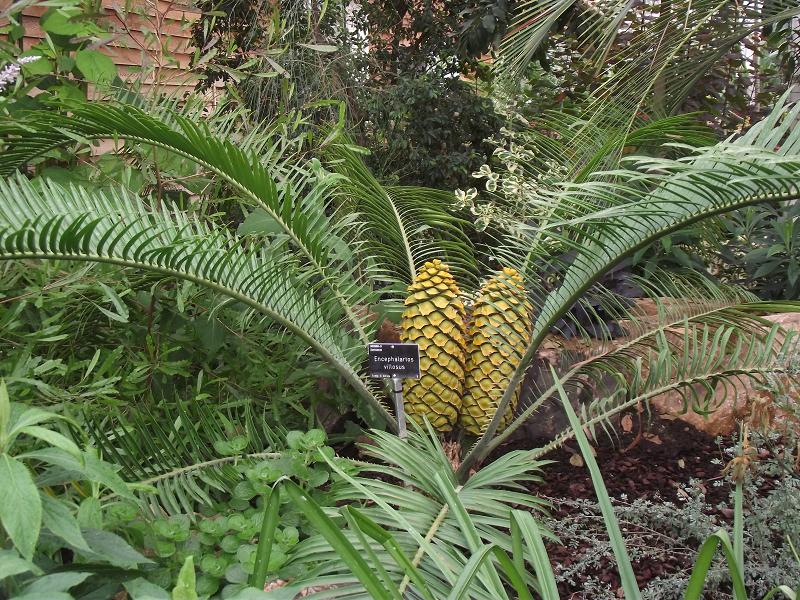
652, 462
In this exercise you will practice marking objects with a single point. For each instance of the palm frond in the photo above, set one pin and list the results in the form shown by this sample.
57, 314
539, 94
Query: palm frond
622, 211
51, 222
405, 225
437, 523
312, 233
175, 452
696, 362
679, 303
671, 50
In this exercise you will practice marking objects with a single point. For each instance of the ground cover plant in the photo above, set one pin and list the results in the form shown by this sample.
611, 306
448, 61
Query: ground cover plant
186, 307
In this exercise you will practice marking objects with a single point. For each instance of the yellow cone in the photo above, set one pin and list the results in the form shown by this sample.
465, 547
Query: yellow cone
434, 319
498, 335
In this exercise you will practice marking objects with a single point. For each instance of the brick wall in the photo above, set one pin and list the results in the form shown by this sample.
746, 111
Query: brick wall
153, 35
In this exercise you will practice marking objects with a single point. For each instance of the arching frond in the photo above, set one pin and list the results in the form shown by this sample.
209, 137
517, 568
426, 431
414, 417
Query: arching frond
651, 73
51, 222
437, 523
405, 225
301, 217
678, 308
696, 362
176, 453
621, 211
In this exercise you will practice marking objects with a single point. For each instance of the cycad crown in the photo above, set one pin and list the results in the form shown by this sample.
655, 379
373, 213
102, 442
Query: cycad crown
498, 335
434, 318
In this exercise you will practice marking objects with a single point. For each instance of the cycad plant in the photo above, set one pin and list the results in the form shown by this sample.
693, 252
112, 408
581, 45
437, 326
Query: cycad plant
317, 268
334, 243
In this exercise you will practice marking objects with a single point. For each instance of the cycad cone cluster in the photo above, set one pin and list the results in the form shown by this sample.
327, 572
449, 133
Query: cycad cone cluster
434, 318
462, 377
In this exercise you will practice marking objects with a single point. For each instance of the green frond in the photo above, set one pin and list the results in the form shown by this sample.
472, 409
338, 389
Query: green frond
51, 222
688, 306
696, 362
622, 211
404, 225
436, 522
175, 454
297, 205
669, 50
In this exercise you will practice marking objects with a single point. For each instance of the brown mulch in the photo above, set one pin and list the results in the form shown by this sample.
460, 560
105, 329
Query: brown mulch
654, 462
666, 456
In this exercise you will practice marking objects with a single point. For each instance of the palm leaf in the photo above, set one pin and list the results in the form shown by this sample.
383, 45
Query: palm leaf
405, 225
697, 363
301, 217
51, 222
173, 451
431, 518
622, 211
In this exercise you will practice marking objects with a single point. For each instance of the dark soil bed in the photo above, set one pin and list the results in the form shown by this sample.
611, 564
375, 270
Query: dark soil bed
651, 465
653, 462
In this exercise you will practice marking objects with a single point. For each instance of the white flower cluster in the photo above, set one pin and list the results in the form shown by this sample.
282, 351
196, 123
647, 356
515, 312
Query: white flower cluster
514, 187
9, 73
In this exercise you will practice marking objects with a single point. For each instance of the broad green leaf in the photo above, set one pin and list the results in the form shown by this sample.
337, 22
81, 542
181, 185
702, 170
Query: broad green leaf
96, 66
477, 561
251, 593
113, 549
122, 313
90, 513
269, 523
45, 596
12, 564
325, 48
57, 582
383, 537
141, 589
62, 21
528, 529
53, 438
787, 592
5, 412
697, 580
104, 473
185, 587
20, 505
259, 222
30, 416
42, 66
61, 522
67, 91
333, 534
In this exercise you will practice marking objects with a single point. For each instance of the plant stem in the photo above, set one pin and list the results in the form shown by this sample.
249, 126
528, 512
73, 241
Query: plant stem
437, 523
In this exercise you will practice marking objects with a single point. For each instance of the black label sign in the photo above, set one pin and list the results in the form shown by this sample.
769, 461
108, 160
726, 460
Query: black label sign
394, 360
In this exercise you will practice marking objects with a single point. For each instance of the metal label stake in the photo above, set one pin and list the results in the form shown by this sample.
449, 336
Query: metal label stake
395, 362
397, 396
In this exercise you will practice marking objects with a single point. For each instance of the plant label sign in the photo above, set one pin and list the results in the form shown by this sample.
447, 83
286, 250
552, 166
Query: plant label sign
394, 360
